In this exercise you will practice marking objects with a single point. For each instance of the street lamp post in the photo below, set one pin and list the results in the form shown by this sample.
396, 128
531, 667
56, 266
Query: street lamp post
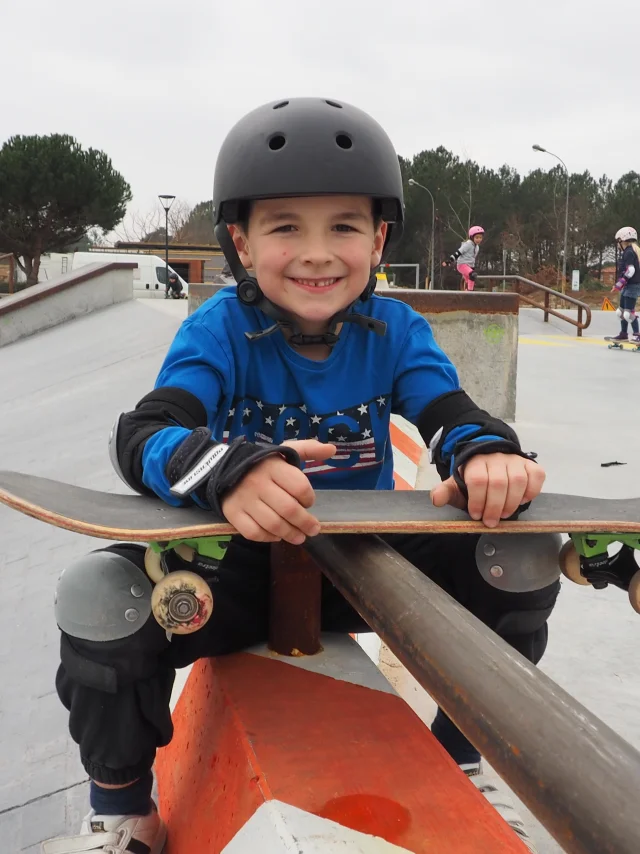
166, 202
433, 228
566, 212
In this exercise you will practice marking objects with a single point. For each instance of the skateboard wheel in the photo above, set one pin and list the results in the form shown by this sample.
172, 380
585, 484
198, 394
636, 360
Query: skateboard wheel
634, 592
182, 602
152, 565
570, 564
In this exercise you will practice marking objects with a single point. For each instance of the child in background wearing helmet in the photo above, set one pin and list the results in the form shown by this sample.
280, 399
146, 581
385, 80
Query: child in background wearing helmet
275, 387
465, 257
628, 284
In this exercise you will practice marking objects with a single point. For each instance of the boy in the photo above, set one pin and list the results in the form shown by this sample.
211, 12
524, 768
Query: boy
271, 389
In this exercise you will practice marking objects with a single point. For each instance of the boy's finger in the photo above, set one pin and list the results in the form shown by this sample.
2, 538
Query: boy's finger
295, 483
476, 479
517, 485
271, 522
289, 509
447, 493
312, 449
496, 491
536, 478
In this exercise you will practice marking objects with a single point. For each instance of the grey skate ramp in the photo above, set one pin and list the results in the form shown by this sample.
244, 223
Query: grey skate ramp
60, 391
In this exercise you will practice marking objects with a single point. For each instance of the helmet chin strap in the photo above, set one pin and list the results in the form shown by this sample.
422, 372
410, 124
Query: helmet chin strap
250, 293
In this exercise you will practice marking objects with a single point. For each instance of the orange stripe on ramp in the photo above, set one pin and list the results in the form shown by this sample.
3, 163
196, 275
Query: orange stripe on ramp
405, 444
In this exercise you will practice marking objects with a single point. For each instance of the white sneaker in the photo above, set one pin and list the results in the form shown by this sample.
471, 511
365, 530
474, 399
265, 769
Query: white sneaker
113, 834
500, 802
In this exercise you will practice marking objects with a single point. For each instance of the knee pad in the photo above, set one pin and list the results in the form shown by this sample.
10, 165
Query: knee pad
523, 622
628, 315
103, 596
519, 563
619, 312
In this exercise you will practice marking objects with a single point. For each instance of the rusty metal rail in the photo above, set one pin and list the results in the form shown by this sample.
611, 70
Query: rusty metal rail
576, 775
548, 293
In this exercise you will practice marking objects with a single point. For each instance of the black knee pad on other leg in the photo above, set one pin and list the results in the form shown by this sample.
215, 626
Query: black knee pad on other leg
130, 650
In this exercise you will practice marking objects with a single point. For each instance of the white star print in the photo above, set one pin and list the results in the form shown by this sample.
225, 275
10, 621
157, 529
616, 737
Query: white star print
315, 419
282, 409
342, 438
362, 409
366, 434
339, 413
247, 412
232, 412
291, 422
382, 401
303, 408
268, 420
330, 430
259, 404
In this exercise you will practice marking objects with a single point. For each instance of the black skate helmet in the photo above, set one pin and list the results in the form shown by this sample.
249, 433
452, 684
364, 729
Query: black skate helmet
305, 147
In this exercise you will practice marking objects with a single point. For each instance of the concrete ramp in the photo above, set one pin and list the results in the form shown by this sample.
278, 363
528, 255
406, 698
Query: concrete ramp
48, 304
60, 391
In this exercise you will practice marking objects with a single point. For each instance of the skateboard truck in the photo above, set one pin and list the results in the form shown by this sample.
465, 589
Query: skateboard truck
584, 559
181, 600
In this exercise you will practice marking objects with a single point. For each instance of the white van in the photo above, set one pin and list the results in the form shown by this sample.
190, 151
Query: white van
148, 279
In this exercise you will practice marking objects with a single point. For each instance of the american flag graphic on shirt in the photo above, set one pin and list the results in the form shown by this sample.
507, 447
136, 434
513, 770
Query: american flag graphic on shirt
354, 430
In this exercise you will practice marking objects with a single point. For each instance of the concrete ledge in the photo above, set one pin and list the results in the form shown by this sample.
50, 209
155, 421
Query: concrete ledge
296, 756
201, 293
479, 333
48, 304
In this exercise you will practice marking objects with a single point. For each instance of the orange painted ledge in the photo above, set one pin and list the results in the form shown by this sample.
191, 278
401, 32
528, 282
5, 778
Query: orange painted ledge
250, 729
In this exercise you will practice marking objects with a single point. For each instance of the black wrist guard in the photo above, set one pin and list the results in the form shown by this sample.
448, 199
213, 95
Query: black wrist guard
208, 469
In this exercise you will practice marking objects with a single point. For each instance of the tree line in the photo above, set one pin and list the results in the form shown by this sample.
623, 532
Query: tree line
523, 216
55, 195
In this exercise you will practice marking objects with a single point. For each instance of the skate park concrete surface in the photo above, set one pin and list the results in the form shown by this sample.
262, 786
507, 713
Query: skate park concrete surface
60, 391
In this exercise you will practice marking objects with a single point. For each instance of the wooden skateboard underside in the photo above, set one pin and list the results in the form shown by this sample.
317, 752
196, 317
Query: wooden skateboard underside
115, 516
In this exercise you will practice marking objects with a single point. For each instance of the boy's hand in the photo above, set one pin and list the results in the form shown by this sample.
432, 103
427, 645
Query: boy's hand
268, 505
497, 483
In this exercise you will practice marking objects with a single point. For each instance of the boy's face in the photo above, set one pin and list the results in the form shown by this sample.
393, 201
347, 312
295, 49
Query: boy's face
312, 256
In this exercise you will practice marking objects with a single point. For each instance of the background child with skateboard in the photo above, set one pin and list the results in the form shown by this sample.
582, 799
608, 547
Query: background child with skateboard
274, 388
628, 285
466, 255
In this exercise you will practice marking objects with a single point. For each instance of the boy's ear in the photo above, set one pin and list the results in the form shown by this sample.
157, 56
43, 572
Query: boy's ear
242, 245
378, 244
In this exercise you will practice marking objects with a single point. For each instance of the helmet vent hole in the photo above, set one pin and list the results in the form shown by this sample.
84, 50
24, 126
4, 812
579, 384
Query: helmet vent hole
277, 142
344, 141
280, 105
334, 104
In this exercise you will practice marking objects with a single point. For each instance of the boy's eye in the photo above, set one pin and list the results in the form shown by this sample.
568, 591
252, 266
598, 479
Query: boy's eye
283, 229
342, 226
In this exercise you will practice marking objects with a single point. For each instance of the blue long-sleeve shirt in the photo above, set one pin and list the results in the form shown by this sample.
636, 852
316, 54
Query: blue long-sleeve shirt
269, 392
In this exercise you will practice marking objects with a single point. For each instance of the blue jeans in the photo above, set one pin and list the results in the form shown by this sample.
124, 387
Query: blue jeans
628, 299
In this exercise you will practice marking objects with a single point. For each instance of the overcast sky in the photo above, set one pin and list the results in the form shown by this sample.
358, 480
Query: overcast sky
158, 84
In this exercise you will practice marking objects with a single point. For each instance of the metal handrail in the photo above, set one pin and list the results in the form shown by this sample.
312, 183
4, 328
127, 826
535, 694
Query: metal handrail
582, 306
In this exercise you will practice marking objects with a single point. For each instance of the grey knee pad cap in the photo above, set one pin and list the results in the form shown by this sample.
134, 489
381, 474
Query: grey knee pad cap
102, 597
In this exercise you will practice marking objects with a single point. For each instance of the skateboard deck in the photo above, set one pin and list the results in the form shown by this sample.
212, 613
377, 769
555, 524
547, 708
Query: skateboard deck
182, 601
116, 516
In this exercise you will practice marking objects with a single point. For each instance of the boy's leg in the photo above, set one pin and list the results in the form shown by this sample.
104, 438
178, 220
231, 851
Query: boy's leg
519, 618
118, 690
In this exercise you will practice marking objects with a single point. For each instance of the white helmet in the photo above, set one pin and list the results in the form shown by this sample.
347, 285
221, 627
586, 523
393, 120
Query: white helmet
627, 233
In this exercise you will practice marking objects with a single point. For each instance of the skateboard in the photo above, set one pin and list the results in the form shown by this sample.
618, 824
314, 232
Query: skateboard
621, 345
182, 601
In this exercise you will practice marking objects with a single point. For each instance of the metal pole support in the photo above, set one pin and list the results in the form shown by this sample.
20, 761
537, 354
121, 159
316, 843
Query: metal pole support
577, 776
295, 601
